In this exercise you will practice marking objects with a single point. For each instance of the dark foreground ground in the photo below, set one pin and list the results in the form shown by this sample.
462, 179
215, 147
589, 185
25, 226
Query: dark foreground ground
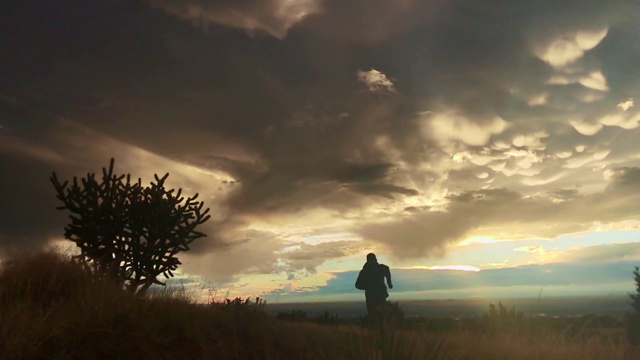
51, 309
616, 306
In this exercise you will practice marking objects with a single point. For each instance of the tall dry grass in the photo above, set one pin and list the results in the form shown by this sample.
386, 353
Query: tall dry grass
51, 309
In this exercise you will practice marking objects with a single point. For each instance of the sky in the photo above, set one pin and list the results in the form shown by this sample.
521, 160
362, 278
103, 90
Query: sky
478, 148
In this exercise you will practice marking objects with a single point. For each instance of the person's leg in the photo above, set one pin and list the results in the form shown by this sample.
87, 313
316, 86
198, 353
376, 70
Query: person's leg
371, 311
374, 310
379, 310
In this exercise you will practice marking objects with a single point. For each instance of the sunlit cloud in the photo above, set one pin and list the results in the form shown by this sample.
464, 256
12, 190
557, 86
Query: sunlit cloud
561, 52
626, 105
477, 240
586, 128
595, 80
376, 81
496, 265
544, 181
615, 226
451, 126
622, 120
589, 39
563, 154
531, 249
580, 161
455, 267
532, 141
569, 47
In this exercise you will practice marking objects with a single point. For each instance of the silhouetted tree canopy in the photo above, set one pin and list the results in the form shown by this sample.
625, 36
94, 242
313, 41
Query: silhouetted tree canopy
128, 231
635, 298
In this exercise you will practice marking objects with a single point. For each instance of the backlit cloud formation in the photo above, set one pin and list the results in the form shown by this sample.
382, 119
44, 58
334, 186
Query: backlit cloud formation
376, 81
273, 16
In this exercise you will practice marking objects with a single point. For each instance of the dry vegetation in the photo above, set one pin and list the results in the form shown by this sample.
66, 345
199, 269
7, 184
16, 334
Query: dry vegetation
51, 309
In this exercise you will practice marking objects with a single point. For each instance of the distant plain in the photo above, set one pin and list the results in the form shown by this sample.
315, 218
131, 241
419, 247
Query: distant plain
614, 305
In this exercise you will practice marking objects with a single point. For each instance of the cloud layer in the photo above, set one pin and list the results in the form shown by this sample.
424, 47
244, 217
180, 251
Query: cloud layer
400, 126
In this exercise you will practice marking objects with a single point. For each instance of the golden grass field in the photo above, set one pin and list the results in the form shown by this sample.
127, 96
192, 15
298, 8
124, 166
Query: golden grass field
51, 309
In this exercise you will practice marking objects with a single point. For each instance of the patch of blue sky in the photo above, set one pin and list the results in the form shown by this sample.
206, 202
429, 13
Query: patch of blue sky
514, 253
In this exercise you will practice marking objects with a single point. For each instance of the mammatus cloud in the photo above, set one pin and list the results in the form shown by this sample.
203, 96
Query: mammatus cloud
450, 126
376, 81
500, 213
585, 128
626, 105
275, 17
563, 49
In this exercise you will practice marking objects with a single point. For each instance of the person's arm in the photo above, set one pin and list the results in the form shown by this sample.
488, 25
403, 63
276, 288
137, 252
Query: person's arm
360, 281
387, 275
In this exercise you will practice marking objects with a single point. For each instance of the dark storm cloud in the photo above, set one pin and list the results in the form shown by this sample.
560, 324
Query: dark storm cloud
272, 16
287, 186
625, 178
25, 187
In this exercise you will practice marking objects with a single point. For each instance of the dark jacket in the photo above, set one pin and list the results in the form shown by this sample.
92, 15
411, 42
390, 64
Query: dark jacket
371, 280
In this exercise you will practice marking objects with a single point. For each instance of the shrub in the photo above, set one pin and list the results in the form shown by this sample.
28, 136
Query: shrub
501, 319
127, 231
294, 315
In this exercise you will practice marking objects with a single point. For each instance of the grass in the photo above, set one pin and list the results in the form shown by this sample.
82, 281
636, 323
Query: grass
51, 309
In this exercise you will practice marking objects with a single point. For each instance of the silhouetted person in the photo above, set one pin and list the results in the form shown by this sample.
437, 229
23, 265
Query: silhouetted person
371, 280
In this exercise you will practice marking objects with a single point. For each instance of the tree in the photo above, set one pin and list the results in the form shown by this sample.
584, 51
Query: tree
635, 298
128, 231
633, 320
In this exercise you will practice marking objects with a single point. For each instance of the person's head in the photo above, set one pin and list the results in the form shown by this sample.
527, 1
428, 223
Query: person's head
371, 257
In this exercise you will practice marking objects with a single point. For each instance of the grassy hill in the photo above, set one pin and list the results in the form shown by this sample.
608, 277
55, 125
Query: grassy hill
51, 309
